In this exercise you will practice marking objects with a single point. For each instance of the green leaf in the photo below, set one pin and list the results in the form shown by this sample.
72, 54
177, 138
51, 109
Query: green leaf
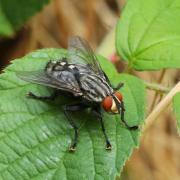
35, 135
14, 13
148, 34
5, 27
176, 105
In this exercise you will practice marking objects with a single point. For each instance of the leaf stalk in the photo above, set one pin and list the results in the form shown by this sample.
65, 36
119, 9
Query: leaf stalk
156, 87
161, 107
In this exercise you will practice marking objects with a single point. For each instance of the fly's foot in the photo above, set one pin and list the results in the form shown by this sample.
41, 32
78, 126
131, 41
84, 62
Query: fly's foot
108, 146
30, 95
72, 148
133, 128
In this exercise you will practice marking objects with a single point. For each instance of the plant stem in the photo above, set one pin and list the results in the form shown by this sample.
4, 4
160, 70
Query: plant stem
156, 87
156, 94
161, 107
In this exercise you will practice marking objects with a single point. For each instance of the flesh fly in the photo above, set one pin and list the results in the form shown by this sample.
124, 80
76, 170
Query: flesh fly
81, 75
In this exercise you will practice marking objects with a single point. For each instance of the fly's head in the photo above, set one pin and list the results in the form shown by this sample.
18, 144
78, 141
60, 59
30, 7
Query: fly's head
112, 103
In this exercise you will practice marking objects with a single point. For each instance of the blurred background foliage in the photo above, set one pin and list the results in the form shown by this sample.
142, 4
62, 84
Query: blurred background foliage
159, 154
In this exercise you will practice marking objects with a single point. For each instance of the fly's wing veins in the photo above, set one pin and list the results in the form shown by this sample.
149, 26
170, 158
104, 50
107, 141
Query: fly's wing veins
58, 82
80, 52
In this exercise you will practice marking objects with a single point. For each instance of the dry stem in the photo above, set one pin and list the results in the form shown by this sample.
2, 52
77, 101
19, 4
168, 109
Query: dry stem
161, 107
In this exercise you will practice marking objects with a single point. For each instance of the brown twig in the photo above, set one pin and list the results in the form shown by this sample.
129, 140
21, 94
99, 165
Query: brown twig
161, 107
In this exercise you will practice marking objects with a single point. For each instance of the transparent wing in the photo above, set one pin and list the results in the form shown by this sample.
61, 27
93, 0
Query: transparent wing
80, 52
42, 78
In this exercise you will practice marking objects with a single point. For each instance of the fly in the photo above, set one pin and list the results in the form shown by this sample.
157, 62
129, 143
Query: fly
81, 75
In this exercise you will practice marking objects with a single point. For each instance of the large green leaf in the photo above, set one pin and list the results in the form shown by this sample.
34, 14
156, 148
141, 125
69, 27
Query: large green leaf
35, 135
148, 34
14, 13
176, 105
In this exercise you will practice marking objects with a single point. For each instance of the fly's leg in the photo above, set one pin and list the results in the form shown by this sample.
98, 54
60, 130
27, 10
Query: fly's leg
120, 85
121, 109
51, 97
123, 120
98, 114
71, 108
108, 144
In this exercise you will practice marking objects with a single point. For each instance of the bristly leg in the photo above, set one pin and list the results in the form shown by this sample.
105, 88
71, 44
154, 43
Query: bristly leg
123, 120
51, 97
71, 108
108, 144
97, 112
120, 85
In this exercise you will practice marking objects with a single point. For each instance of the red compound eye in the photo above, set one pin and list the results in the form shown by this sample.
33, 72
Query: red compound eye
107, 103
118, 95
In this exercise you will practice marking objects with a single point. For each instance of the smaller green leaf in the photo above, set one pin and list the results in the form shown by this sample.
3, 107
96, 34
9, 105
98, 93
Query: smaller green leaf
148, 34
5, 27
14, 13
176, 108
